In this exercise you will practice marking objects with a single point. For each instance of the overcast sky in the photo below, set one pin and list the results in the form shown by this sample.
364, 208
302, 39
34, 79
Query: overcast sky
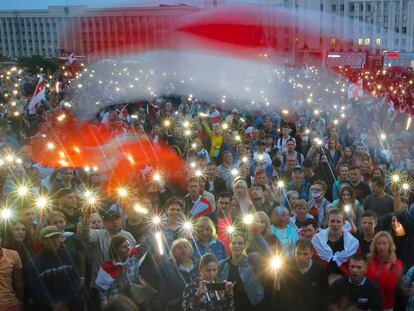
42, 4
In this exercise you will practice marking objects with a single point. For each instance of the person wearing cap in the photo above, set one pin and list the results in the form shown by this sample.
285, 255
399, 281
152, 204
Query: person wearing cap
101, 239
53, 278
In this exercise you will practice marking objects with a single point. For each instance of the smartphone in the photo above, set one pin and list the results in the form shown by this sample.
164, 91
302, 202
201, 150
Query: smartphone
211, 287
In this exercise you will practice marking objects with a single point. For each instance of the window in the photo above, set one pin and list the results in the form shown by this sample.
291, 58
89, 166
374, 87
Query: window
378, 41
333, 41
333, 7
386, 19
342, 7
321, 7
367, 41
351, 7
360, 41
403, 29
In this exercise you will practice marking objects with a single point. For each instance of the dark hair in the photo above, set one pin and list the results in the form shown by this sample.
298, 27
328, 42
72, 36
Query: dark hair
379, 181
64, 191
308, 163
206, 259
303, 244
174, 201
116, 241
260, 186
358, 257
224, 195
276, 162
120, 303
291, 139
211, 163
369, 213
310, 221
354, 167
193, 179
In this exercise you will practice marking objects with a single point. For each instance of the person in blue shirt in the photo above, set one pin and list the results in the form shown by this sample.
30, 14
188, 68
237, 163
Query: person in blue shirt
206, 239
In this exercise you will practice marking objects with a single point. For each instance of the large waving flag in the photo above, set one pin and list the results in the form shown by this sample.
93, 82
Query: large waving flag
38, 95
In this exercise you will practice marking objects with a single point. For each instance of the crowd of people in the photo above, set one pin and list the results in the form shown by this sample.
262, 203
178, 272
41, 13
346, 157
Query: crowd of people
294, 210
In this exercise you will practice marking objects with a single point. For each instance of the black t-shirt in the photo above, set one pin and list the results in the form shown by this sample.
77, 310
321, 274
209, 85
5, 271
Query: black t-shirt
304, 291
383, 207
336, 246
365, 296
363, 244
241, 300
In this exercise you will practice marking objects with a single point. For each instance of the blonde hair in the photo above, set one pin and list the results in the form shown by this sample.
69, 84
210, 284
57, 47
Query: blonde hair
56, 214
262, 217
373, 247
182, 241
205, 221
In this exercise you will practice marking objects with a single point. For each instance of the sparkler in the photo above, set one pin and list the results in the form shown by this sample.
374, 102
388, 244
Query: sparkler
6, 213
22, 191
139, 209
167, 123
248, 219
276, 262
42, 202
122, 192
230, 230
158, 238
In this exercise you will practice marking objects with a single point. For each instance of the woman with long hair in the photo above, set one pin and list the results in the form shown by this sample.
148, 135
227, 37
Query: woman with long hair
242, 196
348, 204
264, 227
347, 157
384, 268
206, 239
206, 293
242, 270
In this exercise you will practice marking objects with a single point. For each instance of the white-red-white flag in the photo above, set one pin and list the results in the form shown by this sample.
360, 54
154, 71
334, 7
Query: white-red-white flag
71, 58
38, 95
356, 89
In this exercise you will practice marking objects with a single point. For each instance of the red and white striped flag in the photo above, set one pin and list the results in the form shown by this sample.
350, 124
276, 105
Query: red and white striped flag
356, 89
39, 94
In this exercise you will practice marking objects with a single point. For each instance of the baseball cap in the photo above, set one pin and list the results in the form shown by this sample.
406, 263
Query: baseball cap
298, 168
111, 214
49, 231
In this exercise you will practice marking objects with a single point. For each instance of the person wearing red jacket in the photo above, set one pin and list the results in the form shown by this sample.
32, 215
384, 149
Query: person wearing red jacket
384, 268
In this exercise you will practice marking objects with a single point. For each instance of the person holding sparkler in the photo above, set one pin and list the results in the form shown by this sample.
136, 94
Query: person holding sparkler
206, 239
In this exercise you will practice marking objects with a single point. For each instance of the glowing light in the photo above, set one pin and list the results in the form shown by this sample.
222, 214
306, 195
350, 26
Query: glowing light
335, 121
122, 191
50, 146
9, 158
234, 172
405, 186
285, 111
280, 184
316, 112
167, 123
245, 159
347, 208
193, 165
248, 219
188, 226
237, 138
22, 190
383, 136
95, 168
6, 213
198, 173
318, 141
230, 230
157, 177
87, 169
395, 178
158, 238
260, 157
186, 124
42, 202
187, 132
139, 209
193, 145
276, 262
408, 123
225, 126
155, 220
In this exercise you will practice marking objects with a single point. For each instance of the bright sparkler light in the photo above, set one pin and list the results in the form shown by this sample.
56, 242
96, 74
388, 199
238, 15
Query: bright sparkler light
347, 208
193, 165
6, 213
395, 178
405, 186
167, 123
155, 220
280, 184
22, 190
234, 172
50, 146
318, 141
230, 230
42, 202
9, 158
383, 136
157, 177
139, 209
248, 219
158, 238
122, 192
225, 126
237, 138
187, 133
245, 159
260, 157
188, 226
186, 124
276, 262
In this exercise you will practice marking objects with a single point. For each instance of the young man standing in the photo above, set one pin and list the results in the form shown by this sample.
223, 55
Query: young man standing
334, 246
380, 202
305, 284
355, 292
362, 190
368, 225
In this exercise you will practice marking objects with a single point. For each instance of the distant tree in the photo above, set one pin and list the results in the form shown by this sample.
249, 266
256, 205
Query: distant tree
34, 63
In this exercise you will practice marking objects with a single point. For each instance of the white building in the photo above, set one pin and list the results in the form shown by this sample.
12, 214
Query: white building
47, 32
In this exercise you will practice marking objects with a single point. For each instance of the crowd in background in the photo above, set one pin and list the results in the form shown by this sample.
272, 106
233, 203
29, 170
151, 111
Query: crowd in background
294, 210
